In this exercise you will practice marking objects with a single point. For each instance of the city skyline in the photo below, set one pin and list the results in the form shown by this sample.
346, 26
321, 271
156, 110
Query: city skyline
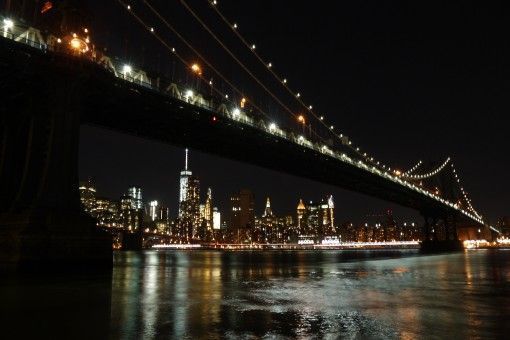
283, 202
312, 223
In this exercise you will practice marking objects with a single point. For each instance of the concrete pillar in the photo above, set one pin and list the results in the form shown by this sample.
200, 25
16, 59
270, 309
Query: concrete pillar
40, 215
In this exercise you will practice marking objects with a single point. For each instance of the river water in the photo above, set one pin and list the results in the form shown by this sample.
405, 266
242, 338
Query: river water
270, 294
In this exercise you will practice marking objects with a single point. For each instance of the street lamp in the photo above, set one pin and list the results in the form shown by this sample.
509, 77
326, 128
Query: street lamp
196, 69
301, 119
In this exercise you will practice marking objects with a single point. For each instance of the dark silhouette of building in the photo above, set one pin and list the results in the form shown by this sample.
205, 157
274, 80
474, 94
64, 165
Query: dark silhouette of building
242, 215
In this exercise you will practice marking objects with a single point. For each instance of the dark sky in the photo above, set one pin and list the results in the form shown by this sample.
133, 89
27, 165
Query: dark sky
406, 81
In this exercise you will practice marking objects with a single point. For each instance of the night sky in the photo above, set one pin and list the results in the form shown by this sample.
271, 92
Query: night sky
404, 81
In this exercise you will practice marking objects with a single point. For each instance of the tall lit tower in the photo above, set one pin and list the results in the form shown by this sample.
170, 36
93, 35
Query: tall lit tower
301, 208
189, 203
136, 196
153, 210
208, 210
184, 181
267, 211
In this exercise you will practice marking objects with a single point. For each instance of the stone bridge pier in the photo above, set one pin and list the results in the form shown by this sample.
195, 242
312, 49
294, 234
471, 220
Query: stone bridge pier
41, 223
440, 232
446, 232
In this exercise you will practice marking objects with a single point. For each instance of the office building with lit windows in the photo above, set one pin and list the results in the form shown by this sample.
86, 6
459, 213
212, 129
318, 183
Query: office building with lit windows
189, 205
136, 197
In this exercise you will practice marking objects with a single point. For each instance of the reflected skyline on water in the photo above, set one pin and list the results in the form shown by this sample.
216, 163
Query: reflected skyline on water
300, 294
282, 294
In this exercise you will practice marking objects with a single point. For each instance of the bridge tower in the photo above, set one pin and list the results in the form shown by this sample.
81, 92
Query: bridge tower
41, 222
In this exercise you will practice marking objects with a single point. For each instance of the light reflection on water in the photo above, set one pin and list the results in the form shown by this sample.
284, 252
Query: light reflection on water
327, 294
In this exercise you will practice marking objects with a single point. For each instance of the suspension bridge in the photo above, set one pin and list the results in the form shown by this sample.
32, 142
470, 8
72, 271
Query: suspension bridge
54, 82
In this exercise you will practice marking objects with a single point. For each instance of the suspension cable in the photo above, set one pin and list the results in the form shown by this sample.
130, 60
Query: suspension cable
295, 95
167, 24
206, 27
430, 173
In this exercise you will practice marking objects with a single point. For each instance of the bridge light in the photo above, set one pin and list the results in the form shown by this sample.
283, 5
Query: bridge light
235, 25
285, 81
270, 65
188, 94
253, 46
8, 24
243, 102
321, 117
76, 43
310, 107
301, 119
126, 69
86, 30
196, 69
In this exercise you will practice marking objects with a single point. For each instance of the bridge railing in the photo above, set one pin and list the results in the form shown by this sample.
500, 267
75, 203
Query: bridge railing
50, 43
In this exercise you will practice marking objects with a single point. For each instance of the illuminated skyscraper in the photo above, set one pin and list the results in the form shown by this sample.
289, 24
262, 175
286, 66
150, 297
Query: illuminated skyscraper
136, 197
183, 183
216, 219
301, 208
316, 219
208, 210
266, 226
189, 204
153, 210
267, 211
87, 195
328, 218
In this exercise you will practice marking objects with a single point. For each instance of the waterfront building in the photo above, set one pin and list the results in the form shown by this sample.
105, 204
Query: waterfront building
316, 220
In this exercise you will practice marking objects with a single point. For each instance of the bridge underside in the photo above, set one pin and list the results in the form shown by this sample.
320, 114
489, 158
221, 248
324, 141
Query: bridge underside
47, 97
